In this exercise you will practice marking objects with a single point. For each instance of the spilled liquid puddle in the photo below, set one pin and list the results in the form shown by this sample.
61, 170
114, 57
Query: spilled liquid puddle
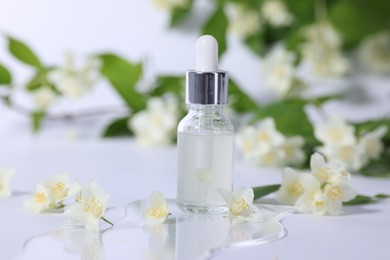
182, 236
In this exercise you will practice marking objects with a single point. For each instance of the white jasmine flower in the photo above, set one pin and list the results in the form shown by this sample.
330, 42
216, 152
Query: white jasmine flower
374, 52
158, 210
279, 71
243, 21
6, 176
311, 199
263, 145
246, 141
89, 206
335, 195
371, 142
170, 4
40, 199
292, 186
44, 97
267, 133
74, 82
321, 192
353, 156
322, 50
293, 150
335, 132
61, 187
275, 12
328, 172
240, 205
156, 126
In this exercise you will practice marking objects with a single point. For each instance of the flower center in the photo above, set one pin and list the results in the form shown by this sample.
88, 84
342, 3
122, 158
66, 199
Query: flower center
335, 135
324, 174
319, 203
40, 197
264, 136
58, 190
295, 189
93, 207
335, 193
239, 207
247, 146
157, 212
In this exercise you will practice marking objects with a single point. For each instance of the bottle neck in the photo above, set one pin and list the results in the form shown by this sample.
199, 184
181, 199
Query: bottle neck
206, 109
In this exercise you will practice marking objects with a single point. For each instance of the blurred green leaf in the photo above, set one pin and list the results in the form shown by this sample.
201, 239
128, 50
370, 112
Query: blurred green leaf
377, 168
256, 44
169, 84
368, 126
123, 76
382, 196
356, 19
37, 81
363, 199
5, 76
118, 128
217, 27
239, 100
37, 118
290, 118
302, 10
262, 191
23, 53
178, 14
359, 200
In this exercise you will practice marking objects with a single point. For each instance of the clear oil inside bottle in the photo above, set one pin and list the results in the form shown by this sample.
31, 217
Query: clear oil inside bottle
205, 159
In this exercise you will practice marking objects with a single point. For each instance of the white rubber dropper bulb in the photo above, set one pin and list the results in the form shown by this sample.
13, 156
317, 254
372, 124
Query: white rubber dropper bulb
206, 54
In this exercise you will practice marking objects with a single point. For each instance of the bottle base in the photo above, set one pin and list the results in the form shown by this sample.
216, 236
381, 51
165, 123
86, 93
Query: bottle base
201, 209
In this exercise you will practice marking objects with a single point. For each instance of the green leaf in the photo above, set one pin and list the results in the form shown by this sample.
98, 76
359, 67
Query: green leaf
217, 26
368, 16
5, 76
37, 81
363, 199
169, 84
368, 126
290, 118
256, 44
118, 128
265, 190
382, 196
23, 53
377, 168
359, 200
178, 14
239, 100
37, 118
123, 75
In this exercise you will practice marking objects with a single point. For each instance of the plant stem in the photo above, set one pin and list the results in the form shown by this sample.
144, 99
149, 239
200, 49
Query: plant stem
67, 116
106, 220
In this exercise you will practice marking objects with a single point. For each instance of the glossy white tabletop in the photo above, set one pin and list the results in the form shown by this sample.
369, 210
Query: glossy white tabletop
129, 173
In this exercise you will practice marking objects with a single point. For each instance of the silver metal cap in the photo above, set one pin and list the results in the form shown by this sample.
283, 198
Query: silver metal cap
206, 88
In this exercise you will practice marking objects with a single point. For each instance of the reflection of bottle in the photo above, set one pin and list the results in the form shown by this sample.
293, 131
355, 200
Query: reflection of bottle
205, 135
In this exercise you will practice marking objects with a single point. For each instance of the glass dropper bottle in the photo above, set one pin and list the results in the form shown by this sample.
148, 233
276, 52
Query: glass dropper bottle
205, 135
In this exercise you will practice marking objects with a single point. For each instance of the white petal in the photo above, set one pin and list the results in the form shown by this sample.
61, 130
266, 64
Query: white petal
157, 199
244, 193
226, 195
317, 161
348, 192
76, 211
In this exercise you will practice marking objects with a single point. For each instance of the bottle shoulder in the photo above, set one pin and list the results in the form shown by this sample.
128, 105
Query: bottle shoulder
199, 124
